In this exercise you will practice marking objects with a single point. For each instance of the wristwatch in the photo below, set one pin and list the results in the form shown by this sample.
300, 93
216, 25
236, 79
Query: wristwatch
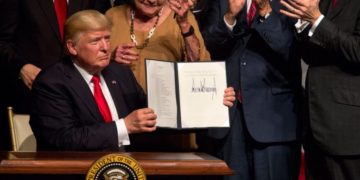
189, 33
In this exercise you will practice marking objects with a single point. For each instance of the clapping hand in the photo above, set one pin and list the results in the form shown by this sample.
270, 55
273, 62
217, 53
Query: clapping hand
263, 7
181, 8
307, 10
235, 6
125, 53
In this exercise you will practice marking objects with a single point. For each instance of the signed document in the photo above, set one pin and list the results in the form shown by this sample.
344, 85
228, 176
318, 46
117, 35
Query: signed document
187, 94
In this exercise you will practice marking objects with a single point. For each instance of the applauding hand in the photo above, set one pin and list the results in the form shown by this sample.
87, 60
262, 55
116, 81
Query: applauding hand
307, 10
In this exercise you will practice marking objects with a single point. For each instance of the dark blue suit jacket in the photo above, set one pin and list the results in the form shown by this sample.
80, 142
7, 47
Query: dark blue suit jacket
64, 114
258, 65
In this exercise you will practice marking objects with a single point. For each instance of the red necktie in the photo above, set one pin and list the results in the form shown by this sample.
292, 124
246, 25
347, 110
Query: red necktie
333, 3
251, 14
100, 99
61, 13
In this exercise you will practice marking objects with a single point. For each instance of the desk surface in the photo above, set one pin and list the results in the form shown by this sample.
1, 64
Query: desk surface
153, 163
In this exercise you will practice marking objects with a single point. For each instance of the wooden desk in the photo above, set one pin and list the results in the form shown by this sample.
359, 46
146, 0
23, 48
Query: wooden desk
79, 163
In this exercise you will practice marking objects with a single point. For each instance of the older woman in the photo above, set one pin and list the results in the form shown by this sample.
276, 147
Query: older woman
157, 29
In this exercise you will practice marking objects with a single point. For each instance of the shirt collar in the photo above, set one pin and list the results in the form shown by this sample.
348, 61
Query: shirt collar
87, 76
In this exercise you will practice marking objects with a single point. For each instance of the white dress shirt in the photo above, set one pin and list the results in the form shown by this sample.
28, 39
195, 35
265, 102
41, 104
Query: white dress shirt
123, 137
301, 25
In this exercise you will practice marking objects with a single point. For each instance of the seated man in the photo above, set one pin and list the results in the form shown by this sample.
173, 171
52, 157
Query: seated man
86, 102
65, 114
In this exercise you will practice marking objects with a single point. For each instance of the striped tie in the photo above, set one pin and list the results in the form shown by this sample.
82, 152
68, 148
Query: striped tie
251, 14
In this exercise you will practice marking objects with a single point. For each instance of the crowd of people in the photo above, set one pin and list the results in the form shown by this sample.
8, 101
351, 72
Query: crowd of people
77, 67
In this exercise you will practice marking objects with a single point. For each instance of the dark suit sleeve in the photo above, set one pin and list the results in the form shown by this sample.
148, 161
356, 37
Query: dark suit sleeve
59, 123
218, 39
133, 94
344, 44
276, 31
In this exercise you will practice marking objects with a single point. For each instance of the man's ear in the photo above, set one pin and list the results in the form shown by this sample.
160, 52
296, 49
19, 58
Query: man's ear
71, 47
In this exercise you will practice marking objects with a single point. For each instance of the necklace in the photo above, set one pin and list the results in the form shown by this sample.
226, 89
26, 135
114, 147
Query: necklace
150, 33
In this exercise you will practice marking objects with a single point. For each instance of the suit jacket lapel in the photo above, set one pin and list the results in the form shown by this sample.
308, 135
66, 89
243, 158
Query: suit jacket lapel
115, 91
333, 12
81, 88
49, 12
324, 6
242, 17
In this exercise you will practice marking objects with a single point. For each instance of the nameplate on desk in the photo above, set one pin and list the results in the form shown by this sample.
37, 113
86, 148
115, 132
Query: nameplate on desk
186, 95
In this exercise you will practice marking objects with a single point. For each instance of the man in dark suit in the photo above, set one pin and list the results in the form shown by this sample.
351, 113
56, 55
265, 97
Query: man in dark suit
329, 38
262, 142
65, 115
33, 41
29, 41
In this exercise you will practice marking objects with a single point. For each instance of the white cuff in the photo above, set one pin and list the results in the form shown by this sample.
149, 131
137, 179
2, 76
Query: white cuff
301, 25
230, 27
123, 136
315, 25
262, 19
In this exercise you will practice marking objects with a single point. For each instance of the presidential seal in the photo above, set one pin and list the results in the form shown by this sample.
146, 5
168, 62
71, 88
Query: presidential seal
115, 167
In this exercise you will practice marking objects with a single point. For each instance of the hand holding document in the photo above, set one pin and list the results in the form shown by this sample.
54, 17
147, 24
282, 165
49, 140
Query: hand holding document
187, 94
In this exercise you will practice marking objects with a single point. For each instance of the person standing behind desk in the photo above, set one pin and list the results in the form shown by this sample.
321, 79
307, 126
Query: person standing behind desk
34, 41
156, 29
329, 39
262, 142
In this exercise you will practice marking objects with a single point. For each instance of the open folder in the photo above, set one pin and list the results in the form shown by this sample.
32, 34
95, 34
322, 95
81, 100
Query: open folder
187, 94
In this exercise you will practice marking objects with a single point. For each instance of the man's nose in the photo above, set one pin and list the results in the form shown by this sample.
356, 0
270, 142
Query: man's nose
104, 45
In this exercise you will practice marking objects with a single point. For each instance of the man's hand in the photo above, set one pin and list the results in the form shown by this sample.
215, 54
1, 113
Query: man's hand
307, 10
141, 120
235, 6
263, 7
28, 74
125, 53
229, 97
